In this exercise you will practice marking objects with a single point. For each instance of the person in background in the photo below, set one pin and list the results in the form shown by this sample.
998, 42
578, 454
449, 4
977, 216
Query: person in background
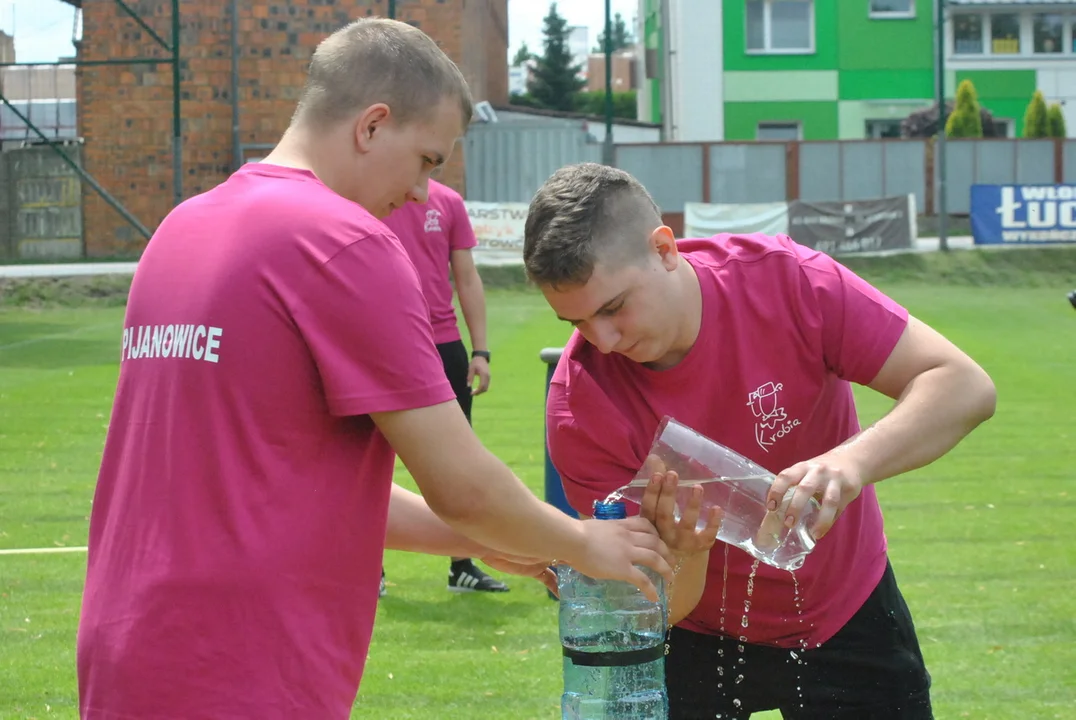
438, 236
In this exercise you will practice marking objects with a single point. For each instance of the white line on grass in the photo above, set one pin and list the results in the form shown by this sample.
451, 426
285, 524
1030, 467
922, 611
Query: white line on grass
41, 551
59, 336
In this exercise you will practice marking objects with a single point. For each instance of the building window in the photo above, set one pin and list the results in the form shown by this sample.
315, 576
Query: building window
780, 26
883, 129
1046, 31
892, 8
1005, 34
967, 34
780, 131
1003, 127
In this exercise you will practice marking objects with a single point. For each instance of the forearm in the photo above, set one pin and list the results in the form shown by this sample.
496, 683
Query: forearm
686, 590
473, 304
494, 508
936, 411
413, 527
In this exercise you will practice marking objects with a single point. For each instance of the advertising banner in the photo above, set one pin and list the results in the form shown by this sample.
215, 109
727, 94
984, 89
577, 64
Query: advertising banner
499, 229
1023, 214
858, 226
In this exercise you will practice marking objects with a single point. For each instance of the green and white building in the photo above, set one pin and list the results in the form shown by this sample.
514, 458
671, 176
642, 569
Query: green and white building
845, 69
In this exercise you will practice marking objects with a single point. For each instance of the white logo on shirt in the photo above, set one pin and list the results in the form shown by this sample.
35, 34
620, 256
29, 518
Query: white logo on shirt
433, 221
175, 341
772, 421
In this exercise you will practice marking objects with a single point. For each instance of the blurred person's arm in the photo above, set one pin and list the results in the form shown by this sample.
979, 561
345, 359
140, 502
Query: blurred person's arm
413, 527
473, 304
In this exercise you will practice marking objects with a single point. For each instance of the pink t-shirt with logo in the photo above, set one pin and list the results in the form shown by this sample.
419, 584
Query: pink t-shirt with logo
785, 330
239, 520
430, 232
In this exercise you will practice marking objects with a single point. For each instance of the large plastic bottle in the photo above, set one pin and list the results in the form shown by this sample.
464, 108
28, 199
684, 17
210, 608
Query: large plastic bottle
733, 483
613, 641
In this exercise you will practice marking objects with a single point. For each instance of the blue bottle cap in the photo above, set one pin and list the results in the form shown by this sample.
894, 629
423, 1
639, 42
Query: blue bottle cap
616, 510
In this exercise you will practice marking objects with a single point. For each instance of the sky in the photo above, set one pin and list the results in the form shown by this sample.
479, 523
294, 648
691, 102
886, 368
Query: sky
43, 28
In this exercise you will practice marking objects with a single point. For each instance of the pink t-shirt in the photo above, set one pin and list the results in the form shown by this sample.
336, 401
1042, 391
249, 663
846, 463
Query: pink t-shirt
239, 520
430, 233
784, 331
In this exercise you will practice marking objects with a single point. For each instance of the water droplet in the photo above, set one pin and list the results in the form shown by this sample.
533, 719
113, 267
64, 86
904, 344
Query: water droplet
741, 646
740, 661
793, 654
743, 623
739, 679
736, 702
721, 652
720, 671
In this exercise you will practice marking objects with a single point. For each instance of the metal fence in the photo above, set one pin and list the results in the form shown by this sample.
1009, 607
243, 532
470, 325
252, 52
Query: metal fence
509, 162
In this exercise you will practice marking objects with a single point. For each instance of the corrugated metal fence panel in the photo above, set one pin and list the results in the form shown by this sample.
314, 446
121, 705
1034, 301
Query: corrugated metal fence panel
508, 162
672, 173
960, 175
994, 162
904, 170
1035, 162
1069, 158
832, 171
742, 173
861, 169
820, 171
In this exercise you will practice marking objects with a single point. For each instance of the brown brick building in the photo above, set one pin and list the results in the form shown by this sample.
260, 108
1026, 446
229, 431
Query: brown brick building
125, 110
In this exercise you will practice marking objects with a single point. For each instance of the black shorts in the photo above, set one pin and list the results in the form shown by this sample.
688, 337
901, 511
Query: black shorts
871, 669
454, 358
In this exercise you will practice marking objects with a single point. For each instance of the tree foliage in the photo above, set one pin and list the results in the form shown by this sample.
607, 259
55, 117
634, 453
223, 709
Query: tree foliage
622, 37
556, 78
966, 120
1055, 121
1035, 122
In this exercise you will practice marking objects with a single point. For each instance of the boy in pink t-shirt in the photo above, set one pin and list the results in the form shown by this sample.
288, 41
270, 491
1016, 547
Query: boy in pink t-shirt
276, 354
438, 237
753, 341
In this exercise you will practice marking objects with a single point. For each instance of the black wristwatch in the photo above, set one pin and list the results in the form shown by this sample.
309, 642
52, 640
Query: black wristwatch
481, 354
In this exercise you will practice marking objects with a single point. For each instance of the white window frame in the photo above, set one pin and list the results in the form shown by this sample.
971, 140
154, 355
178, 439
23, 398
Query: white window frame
1010, 126
892, 14
1027, 35
780, 124
767, 32
869, 121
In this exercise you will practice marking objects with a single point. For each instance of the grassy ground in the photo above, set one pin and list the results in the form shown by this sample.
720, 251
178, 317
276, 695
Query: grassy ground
981, 541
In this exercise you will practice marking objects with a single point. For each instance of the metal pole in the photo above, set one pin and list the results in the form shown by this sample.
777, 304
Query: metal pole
177, 130
667, 134
939, 147
392, 9
237, 150
607, 147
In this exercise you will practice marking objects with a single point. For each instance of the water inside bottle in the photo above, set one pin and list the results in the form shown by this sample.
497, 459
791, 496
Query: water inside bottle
746, 523
608, 617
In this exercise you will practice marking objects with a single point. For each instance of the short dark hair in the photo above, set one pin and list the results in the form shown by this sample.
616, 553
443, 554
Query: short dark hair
377, 60
582, 212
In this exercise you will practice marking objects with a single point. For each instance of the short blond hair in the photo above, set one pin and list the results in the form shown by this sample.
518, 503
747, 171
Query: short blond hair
377, 60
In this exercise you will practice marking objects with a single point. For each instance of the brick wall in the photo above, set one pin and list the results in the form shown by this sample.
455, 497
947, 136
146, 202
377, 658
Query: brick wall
125, 111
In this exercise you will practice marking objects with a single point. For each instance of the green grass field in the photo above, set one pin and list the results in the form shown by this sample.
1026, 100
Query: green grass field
982, 541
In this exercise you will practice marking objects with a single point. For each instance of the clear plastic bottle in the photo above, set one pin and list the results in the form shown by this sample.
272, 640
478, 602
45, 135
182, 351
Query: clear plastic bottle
733, 483
613, 642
